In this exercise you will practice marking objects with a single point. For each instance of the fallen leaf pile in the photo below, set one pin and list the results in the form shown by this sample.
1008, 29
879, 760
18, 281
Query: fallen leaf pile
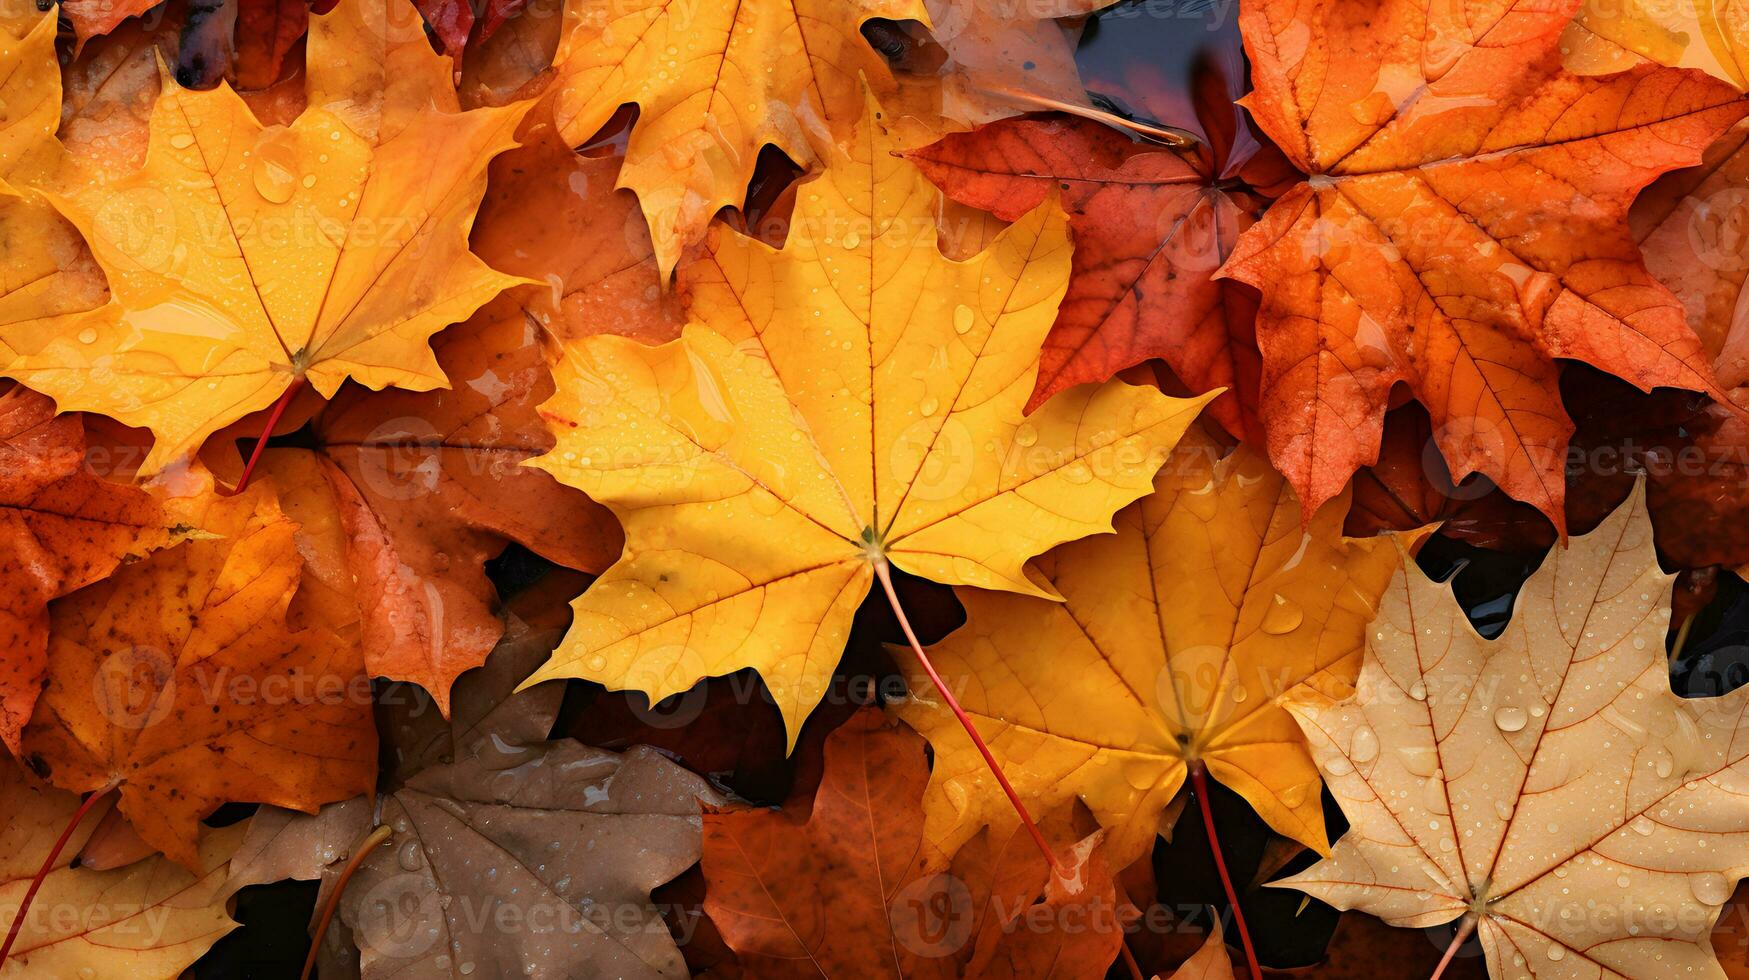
874, 488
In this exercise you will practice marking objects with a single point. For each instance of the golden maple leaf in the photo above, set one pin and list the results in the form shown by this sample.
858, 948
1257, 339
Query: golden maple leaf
242, 258
49, 272
1546, 786
147, 919
1707, 35
851, 397
715, 82
1176, 637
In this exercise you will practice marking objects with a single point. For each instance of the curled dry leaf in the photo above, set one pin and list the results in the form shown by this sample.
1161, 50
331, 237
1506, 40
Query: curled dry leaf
1237, 606
272, 266
149, 920
1462, 226
178, 677
62, 527
1546, 784
853, 397
714, 83
852, 889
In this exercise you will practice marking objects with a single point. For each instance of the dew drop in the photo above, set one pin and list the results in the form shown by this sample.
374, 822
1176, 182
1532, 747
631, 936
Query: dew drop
928, 406
962, 319
1026, 435
1283, 616
182, 141
1363, 745
1709, 887
274, 176
1510, 718
88, 336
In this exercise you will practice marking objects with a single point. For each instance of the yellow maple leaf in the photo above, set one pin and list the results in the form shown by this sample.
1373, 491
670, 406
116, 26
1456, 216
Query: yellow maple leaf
49, 273
242, 258
30, 91
1176, 637
1608, 36
851, 397
1546, 786
147, 920
715, 82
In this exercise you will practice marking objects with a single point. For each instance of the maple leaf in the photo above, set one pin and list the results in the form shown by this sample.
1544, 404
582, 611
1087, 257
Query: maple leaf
178, 676
267, 30
853, 397
489, 720
62, 527
1687, 224
847, 888
274, 266
1076, 702
453, 21
1547, 785
1150, 229
50, 274
483, 835
426, 487
32, 93
489, 717
185, 908
92, 18
285, 844
713, 84
489, 819
552, 215
371, 63
1408, 487
1462, 226
1702, 34
986, 40
1210, 961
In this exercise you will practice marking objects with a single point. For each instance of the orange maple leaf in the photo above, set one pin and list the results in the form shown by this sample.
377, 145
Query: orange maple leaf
1462, 226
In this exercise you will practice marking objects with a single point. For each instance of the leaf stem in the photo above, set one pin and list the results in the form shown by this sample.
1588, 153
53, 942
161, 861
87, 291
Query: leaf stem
273, 417
1457, 941
378, 834
1681, 637
1199, 782
884, 573
48, 865
1172, 136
